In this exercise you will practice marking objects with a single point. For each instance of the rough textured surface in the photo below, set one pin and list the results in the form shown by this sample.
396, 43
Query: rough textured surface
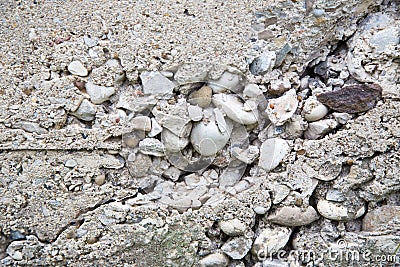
352, 98
99, 101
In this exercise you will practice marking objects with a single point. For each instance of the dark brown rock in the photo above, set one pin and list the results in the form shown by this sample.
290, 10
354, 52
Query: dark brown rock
352, 98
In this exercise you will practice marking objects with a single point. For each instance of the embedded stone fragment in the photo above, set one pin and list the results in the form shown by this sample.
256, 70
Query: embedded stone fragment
86, 111
207, 139
201, 97
382, 218
263, 63
99, 94
339, 211
272, 152
352, 98
237, 247
235, 109
214, 260
154, 83
152, 146
320, 128
281, 109
270, 241
76, 68
227, 82
293, 216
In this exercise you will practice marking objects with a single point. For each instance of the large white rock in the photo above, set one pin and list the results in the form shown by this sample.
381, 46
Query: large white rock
281, 109
338, 211
77, 68
235, 109
272, 152
207, 139
99, 94
154, 83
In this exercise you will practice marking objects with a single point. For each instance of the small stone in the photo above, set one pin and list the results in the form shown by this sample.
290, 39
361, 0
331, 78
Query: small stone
270, 241
314, 110
152, 146
227, 82
281, 109
214, 260
195, 113
142, 123
70, 163
352, 98
154, 83
76, 68
100, 179
272, 152
201, 97
233, 227
234, 109
86, 111
339, 211
279, 193
99, 94
252, 90
320, 128
293, 216
237, 247
155, 128
263, 63
382, 219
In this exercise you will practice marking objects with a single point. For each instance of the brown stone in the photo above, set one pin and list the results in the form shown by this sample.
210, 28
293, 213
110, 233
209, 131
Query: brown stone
352, 98
382, 219
201, 97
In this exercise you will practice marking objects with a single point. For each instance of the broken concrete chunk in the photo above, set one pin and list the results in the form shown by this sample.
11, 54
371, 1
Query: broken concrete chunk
195, 113
352, 98
272, 152
154, 83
